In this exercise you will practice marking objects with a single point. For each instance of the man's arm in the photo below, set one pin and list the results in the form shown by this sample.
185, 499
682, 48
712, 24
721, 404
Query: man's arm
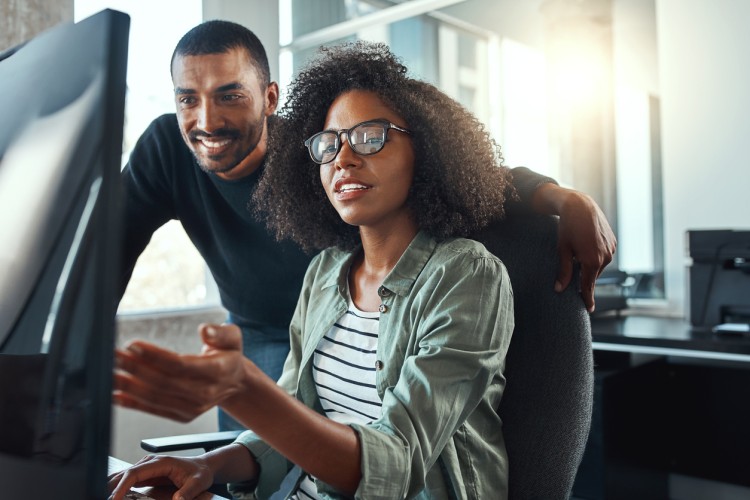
138, 225
584, 233
147, 200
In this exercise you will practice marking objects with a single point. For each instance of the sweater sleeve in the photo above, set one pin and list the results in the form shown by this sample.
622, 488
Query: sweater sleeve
526, 181
147, 200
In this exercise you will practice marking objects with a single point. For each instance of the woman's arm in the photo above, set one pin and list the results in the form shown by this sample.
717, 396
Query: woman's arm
182, 387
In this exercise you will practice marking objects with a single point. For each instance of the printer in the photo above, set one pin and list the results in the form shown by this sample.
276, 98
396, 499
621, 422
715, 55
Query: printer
719, 277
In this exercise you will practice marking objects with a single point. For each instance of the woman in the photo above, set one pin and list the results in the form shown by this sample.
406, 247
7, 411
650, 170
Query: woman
400, 333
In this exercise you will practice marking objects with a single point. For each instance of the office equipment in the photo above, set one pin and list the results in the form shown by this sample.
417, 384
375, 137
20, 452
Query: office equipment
719, 277
62, 97
612, 290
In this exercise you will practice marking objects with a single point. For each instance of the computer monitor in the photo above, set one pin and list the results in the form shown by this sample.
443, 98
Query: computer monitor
719, 277
62, 97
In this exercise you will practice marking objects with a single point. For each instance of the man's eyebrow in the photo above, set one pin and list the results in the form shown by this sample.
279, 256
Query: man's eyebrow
223, 88
230, 86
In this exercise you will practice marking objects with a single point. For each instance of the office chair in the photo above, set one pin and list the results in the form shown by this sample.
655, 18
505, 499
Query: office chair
547, 404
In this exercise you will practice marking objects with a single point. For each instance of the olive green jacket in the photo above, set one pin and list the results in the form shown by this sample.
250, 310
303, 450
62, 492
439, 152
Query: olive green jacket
445, 326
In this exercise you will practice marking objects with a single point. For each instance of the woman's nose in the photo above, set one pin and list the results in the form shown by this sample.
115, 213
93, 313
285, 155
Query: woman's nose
347, 157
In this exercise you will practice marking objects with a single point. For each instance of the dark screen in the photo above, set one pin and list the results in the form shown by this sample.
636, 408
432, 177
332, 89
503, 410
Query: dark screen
719, 276
62, 98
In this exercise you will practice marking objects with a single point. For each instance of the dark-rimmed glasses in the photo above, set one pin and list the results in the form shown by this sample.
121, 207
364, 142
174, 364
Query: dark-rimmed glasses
366, 138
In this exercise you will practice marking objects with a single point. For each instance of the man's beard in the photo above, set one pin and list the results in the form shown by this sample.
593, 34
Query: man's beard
232, 134
230, 166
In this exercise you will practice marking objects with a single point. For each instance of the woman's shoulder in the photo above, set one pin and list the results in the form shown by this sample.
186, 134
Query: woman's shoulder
458, 256
463, 248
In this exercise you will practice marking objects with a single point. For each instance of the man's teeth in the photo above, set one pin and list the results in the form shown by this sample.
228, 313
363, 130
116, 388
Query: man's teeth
351, 187
215, 143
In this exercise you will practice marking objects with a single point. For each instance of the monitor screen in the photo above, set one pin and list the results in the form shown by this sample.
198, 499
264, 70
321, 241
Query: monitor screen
62, 98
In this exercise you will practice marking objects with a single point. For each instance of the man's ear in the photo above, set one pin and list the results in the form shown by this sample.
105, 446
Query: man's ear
272, 98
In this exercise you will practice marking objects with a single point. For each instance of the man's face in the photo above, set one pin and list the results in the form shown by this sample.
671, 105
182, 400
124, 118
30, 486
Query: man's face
221, 109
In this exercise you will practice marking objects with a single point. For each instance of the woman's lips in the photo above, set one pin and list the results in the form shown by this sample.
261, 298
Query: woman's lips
347, 189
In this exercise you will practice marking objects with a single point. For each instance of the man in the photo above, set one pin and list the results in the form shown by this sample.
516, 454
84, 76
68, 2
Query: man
201, 166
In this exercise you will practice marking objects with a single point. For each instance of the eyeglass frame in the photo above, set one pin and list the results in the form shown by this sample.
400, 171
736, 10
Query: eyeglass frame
387, 125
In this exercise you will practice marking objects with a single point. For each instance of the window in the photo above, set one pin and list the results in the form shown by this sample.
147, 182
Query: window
170, 273
568, 91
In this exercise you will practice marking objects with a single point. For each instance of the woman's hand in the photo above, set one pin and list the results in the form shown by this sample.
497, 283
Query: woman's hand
180, 386
192, 476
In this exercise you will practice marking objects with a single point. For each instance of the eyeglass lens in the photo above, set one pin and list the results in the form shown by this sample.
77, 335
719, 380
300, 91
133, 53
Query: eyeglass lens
364, 139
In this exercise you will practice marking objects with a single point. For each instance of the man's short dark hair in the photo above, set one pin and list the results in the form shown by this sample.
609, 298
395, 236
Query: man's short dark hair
217, 37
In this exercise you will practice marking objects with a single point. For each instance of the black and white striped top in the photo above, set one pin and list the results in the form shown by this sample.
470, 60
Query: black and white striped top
344, 374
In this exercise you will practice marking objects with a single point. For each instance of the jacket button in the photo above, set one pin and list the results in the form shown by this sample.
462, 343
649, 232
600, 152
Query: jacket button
383, 291
378, 365
383, 308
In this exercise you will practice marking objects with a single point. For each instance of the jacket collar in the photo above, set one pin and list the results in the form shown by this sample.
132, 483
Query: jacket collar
405, 272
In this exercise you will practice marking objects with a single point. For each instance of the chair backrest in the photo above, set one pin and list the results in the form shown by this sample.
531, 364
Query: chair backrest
547, 404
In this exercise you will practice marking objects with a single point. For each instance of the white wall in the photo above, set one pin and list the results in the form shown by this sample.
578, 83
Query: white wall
704, 49
259, 16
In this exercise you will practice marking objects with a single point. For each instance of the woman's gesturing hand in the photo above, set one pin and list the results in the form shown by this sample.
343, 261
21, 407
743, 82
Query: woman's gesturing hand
181, 386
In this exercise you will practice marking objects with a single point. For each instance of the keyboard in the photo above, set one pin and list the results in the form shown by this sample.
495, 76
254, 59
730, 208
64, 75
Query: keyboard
114, 465
136, 495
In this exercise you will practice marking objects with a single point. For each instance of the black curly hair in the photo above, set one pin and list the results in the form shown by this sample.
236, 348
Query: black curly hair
459, 182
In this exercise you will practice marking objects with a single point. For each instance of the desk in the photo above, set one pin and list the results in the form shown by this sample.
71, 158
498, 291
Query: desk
666, 337
686, 411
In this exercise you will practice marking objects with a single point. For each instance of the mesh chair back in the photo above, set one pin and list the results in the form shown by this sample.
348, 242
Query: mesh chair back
547, 404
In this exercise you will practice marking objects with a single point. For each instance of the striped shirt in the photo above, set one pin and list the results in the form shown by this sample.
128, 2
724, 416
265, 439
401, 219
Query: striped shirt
344, 374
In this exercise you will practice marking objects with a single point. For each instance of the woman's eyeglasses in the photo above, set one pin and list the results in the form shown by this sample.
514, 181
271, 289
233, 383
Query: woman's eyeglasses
366, 138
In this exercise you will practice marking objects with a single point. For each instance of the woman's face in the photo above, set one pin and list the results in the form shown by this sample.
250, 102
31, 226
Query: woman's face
369, 191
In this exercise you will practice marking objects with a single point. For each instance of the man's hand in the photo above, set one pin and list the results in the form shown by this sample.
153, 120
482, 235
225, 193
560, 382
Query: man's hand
584, 235
191, 476
179, 386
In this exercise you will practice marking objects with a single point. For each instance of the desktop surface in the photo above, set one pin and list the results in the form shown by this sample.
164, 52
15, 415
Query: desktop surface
666, 336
